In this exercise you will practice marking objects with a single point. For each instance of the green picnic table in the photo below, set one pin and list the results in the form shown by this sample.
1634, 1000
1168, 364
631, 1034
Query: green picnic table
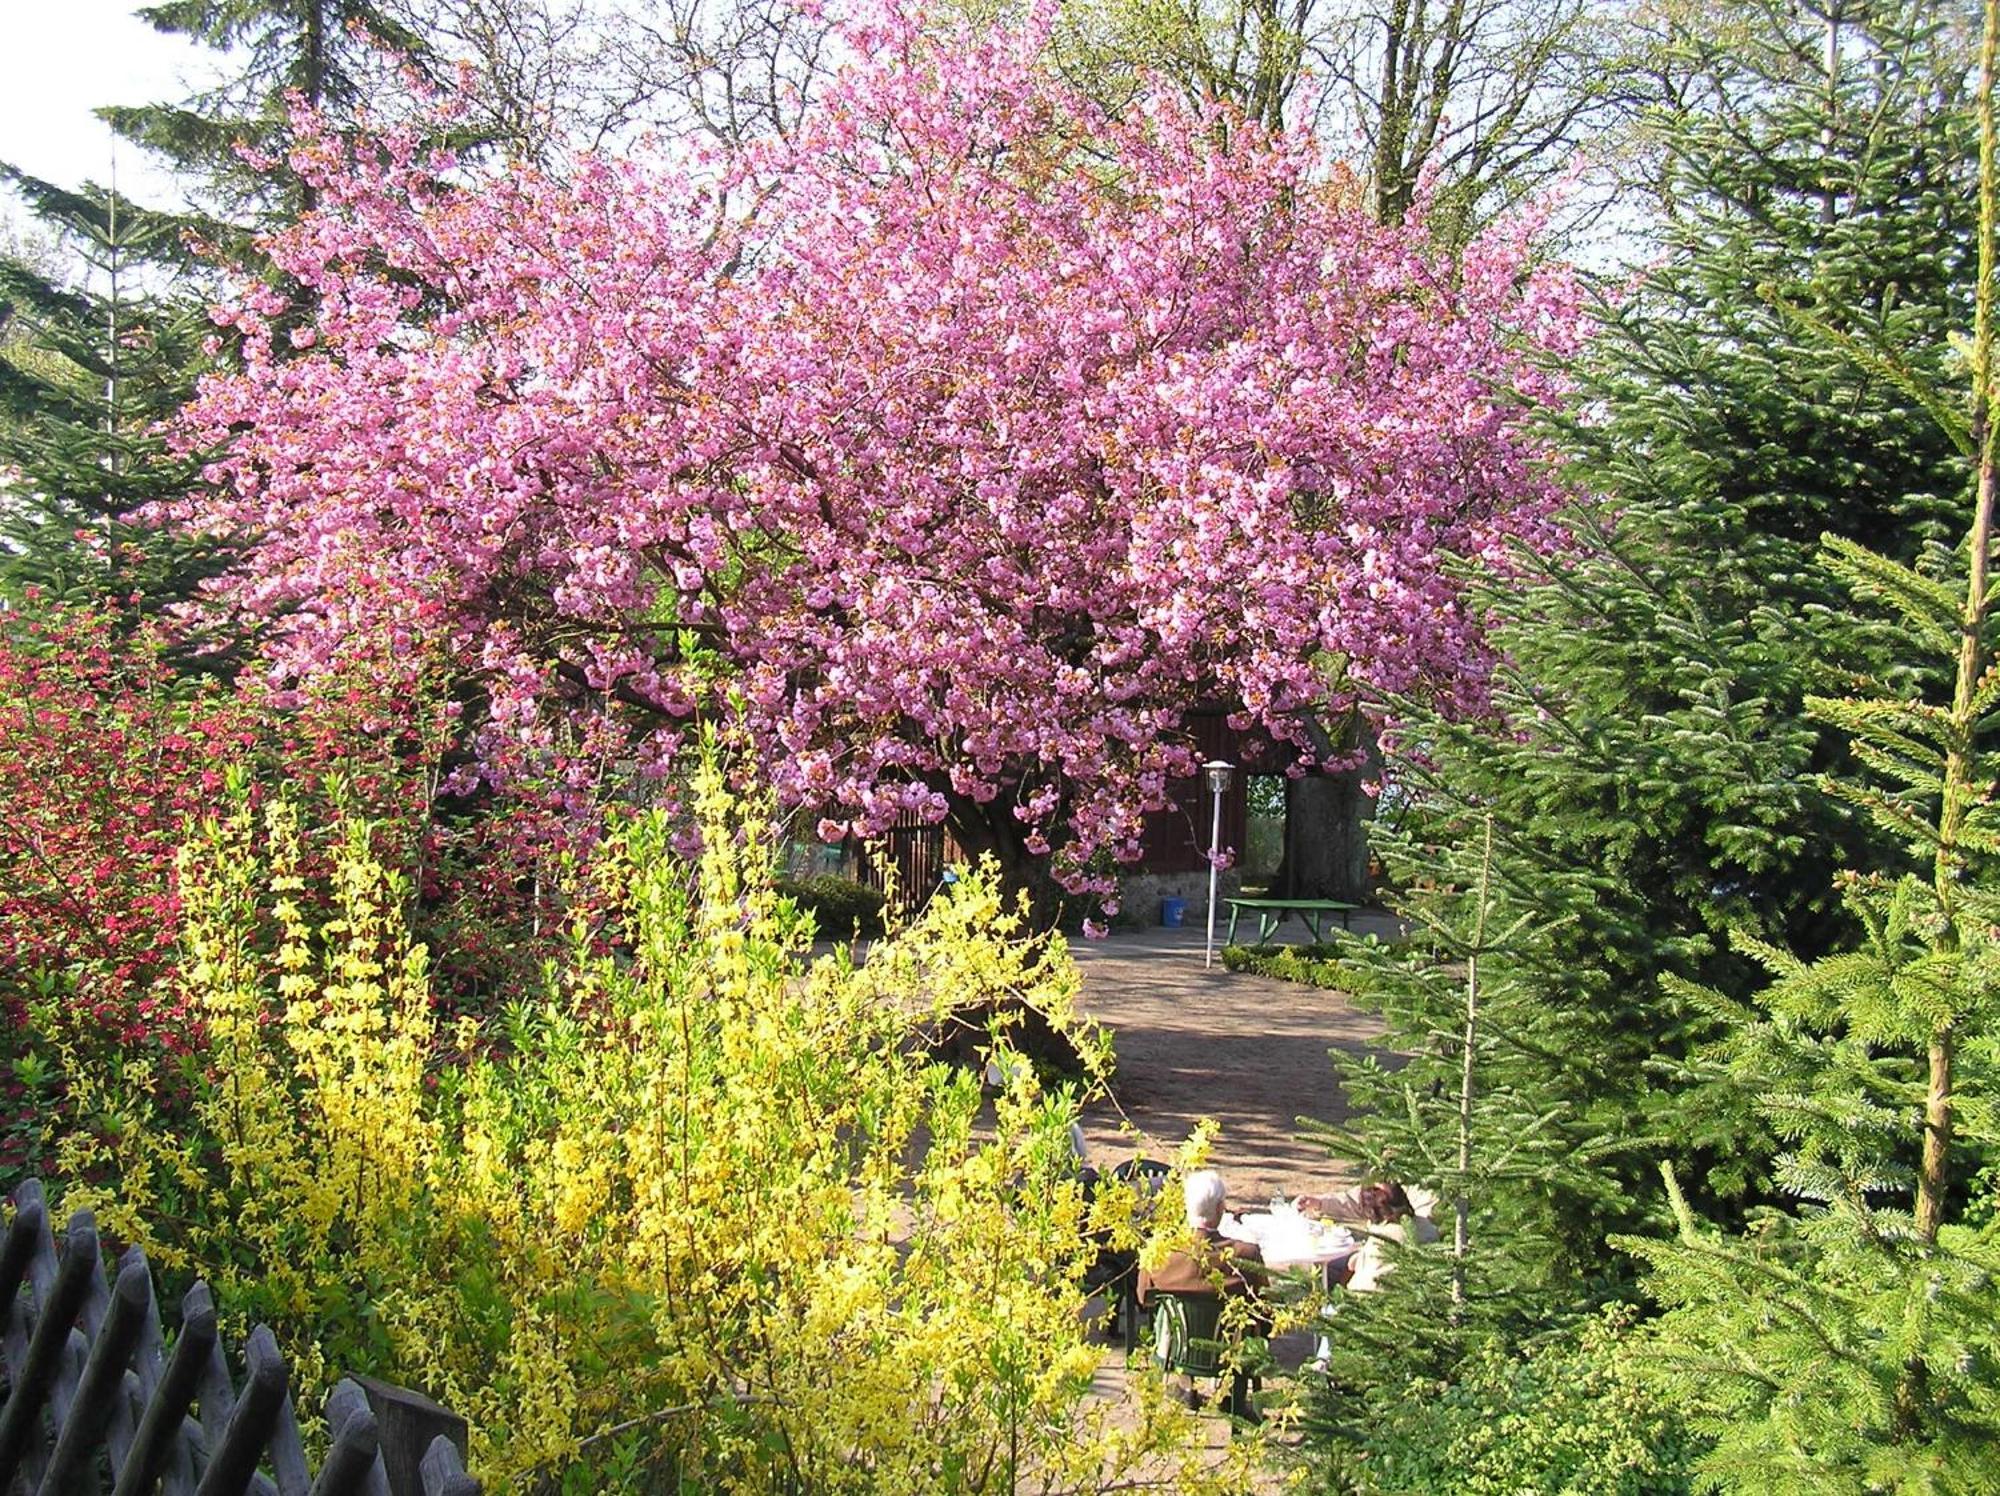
1271, 913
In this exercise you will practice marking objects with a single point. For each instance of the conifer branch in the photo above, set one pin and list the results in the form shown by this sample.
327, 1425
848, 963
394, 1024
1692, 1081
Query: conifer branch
1462, 1207
1961, 791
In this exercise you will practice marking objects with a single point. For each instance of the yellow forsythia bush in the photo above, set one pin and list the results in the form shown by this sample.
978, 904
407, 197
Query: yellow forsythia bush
701, 1215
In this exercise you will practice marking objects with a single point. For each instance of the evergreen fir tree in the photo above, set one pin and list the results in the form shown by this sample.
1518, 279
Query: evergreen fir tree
1652, 771
1853, 1343
1471, 1111
91, 365
94, 364
326, 53
1652, 776
1658, 677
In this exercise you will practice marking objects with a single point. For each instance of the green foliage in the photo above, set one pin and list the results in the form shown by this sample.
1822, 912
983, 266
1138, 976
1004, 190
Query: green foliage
1653, 776
1509, 1122
1489, 1105
1857, 1333
1796, 203
91, 366
1827, 1350
840, 907
1659, 698
1574, 1414
1848, 1343
1654, 786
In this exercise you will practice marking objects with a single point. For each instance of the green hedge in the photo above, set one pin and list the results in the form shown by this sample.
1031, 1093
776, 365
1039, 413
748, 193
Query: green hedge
840, 907
1314, 965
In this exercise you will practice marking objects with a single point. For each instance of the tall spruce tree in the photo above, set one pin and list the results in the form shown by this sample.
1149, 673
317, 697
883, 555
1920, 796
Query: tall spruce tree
1851, 1343
1653, 769
1488, 1107
93, 360
1652, 778
96, 361
1658, 679
327, 53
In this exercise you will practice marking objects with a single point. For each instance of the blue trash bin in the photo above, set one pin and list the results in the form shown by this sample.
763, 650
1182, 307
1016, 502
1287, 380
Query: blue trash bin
1173, 913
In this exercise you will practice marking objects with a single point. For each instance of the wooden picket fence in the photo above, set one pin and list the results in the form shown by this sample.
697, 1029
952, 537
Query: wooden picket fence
96, 1401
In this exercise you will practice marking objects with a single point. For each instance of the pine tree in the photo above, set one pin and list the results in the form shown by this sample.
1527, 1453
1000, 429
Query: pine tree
1853, 1343
91, 366
329, 54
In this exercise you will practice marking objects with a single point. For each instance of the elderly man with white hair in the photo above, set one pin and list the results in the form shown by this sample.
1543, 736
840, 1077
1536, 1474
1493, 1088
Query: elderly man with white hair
1213, 1263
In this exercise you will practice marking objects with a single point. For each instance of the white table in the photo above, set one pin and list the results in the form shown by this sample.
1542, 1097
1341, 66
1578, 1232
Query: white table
1287, 1238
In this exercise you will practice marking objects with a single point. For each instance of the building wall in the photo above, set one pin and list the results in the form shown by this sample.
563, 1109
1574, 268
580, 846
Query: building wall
1176, 840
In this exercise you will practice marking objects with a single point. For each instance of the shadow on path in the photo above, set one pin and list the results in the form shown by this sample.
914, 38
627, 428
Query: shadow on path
1246, 1050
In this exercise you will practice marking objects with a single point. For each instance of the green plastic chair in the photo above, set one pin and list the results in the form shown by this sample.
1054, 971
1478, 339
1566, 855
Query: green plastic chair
1118, 1272
1187, 1331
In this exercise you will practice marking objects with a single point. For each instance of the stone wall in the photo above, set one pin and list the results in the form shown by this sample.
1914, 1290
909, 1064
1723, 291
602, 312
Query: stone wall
1139, 895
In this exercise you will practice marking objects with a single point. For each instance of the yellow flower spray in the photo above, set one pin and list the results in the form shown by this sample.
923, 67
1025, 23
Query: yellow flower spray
705, 1214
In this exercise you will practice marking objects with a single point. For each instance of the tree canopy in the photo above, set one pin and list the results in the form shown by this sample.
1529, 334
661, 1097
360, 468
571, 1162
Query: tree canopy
1002, 434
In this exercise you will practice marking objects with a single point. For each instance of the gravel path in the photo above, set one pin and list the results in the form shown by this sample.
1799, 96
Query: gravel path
1245, 1050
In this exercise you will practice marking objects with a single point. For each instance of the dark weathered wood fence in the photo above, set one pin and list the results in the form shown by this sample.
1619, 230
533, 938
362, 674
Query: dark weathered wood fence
917, 853
97, 1402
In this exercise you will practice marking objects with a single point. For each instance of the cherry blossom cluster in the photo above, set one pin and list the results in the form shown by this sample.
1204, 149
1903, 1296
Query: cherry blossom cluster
951, 450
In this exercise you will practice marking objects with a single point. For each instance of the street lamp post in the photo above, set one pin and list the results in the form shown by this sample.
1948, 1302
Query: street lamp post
1217, 772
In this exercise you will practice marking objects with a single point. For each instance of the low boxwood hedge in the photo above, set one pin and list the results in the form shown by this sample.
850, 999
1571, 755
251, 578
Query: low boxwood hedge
841, 907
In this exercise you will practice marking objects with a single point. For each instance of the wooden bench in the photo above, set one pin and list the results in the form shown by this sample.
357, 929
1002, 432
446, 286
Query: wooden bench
1271, 913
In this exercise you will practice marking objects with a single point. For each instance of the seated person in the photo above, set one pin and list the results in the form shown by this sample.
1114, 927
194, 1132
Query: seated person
1213, 1264
1383, 1209
1364, 1204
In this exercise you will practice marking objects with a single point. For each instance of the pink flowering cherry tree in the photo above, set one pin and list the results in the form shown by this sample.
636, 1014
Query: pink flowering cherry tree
949, 451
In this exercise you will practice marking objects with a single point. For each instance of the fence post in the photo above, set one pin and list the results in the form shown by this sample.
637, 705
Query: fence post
407, 1423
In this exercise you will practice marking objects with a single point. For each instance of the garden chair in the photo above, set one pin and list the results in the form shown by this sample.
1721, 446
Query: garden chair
1116, 1274
1188, 1340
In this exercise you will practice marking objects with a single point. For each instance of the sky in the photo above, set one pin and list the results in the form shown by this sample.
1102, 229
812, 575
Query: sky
59, 60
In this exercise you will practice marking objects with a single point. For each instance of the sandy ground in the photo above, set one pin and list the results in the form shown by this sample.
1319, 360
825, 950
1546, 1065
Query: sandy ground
1249, 1052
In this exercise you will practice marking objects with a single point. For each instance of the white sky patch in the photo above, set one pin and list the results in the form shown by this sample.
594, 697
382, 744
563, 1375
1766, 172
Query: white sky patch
61, 59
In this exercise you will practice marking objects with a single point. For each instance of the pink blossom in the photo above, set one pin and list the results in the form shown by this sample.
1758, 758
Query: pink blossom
993, 438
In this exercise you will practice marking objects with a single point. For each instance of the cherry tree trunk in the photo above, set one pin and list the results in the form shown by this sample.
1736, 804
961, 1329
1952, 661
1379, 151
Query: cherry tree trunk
1326, 834
993, 828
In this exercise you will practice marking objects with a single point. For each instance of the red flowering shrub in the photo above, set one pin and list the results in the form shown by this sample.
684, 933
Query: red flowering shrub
105, 762
105, 759
108, 761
